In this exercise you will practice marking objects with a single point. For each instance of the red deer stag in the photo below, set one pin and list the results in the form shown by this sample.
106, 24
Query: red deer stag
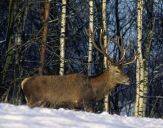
75, 90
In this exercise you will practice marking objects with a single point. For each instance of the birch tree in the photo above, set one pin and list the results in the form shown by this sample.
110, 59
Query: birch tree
91, 30
62, 37
46, 9
105, 39
139, 101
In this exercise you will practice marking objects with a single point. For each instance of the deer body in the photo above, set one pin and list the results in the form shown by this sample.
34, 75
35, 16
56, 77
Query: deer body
73, 90
56, 90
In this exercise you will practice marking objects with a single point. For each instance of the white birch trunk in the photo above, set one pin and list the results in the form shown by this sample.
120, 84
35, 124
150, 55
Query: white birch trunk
104, 27
91, 30
62, 37
139, 102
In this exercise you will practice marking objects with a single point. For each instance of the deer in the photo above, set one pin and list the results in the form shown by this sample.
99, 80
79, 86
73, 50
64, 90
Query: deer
76, 90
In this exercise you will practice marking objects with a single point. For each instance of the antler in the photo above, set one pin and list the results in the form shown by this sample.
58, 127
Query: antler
102, 50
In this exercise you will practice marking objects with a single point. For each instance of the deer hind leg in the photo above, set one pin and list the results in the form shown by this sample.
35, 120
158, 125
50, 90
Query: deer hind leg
34, 102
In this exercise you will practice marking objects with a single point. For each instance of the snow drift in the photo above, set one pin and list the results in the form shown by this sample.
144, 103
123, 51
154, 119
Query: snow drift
12, 116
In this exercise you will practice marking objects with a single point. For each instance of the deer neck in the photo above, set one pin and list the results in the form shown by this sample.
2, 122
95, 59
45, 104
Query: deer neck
100, 85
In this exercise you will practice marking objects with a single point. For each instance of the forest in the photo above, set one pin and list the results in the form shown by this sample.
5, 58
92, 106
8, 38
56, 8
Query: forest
85, 37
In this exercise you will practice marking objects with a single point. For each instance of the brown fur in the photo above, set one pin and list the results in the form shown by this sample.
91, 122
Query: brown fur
73, 90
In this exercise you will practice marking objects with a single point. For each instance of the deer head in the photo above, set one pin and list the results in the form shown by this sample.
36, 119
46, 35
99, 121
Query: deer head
115, 67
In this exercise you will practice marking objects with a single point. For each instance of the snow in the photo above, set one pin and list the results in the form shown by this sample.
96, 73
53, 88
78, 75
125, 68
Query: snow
12, 116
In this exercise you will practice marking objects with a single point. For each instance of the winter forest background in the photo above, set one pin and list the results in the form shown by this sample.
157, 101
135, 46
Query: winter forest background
21, 37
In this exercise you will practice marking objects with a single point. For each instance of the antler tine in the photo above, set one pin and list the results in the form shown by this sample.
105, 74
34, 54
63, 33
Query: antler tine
94, 44
132, 60
104, 48
90, 33
101, 39
123, 52
101, 49
97, 48
122, 57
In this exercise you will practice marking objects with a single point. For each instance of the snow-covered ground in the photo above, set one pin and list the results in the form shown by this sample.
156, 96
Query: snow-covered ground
23, 117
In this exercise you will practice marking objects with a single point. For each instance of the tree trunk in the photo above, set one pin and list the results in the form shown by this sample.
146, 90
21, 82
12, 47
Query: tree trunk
139, 102
91, 30
105, 39
62, 37
46, 9
9, 43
